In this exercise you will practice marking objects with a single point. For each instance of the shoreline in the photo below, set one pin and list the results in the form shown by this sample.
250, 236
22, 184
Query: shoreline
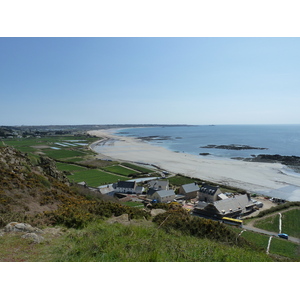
269, 179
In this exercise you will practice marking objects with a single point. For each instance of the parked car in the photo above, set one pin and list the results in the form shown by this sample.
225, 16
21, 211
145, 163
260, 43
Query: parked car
283, 236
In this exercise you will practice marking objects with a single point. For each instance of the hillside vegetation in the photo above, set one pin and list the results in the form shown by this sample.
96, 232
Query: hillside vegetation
82, 227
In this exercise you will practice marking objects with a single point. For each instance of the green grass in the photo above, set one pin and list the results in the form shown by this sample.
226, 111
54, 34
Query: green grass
101, 242
27, 144
180, 180
61, 154
137, 168
75, 159
69, 167
13, 248
94, 177
119, 170
271, 223
290, 223
278, 246
133, 204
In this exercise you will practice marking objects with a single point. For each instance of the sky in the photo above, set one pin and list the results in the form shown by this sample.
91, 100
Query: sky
149, 80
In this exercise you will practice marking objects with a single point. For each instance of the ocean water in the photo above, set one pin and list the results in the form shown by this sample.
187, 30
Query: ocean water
278, 139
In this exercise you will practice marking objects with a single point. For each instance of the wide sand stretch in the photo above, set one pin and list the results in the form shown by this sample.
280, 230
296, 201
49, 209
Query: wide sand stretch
266, 178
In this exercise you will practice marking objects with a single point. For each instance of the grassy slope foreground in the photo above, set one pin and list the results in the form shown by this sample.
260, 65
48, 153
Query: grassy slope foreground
103, 242
76, 229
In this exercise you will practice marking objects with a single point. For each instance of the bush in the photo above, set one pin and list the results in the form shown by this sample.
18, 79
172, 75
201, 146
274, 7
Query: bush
179, 219
277, 208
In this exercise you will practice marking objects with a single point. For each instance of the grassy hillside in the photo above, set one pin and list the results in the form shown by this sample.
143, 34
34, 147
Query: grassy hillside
36, 192
115, 242
103, 242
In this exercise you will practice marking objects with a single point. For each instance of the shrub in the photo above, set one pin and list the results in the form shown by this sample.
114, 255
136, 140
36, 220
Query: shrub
180, 219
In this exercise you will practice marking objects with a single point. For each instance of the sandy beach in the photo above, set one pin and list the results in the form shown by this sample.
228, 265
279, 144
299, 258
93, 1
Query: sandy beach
272, 179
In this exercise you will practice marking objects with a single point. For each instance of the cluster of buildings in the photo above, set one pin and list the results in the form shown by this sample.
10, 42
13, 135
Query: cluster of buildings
206, 200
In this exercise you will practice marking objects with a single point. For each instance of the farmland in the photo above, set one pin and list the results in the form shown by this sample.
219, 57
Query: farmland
137, 168
76, 160
120, 170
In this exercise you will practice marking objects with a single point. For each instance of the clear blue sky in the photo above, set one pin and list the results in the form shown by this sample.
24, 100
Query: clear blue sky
48, 81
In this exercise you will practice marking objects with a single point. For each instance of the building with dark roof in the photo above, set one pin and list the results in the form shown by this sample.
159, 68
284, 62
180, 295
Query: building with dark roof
208, 193
126, 187
231, 207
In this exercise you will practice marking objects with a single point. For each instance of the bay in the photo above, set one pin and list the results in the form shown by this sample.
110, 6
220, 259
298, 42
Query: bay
277, 139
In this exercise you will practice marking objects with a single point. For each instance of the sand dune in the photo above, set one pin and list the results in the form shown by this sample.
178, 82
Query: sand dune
266, 178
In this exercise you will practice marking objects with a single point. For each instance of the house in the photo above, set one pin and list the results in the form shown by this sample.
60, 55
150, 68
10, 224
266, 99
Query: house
163, 196
189, 190
139, 190
82, 183
159, 184
208, 193
126, 187
150, 192
107, 189
230, 207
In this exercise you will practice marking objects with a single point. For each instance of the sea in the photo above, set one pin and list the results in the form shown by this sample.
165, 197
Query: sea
276, 139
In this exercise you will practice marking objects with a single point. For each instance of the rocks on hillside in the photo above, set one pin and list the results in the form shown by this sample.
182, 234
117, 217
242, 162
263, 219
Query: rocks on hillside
158, 211
21, 227
33, 236
32, 233
123, 219
49, 167
11, 158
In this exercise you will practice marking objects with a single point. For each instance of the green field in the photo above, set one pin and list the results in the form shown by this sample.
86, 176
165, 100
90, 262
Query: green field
69, 167
94, 177
62, 154
137, 168
120, 170
290, 223
278, 246
44, 144
180, 180
133, 204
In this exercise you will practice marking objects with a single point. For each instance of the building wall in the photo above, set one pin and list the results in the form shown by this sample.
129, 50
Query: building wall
207, 197
163, 199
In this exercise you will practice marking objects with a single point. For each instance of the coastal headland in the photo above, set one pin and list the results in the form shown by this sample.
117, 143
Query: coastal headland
272, 179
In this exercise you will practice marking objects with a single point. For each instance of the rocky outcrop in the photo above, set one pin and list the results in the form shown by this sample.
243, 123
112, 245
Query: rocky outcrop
21, 227
123, 219
32, 233
290, 161
33, 237
12, 159
49, 167
158, 211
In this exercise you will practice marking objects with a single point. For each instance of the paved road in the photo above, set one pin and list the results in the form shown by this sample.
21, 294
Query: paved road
292, 239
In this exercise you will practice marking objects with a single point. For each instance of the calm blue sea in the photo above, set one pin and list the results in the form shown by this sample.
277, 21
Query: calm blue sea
279, 139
